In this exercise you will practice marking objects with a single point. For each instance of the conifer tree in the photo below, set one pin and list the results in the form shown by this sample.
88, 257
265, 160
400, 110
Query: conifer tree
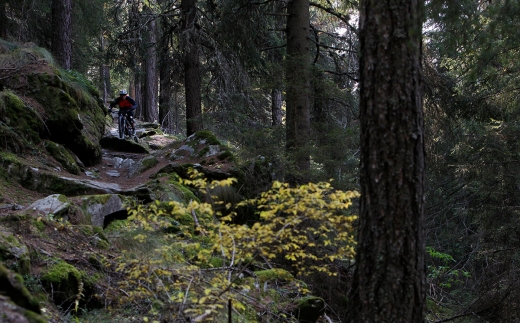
389, 278
62, 32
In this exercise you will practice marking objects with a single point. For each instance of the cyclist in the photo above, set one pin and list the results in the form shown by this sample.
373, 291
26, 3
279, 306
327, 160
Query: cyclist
126, 105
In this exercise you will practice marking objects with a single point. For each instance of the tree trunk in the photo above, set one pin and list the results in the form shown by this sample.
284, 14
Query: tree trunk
276, 58
151, 89
62, 32
389, 279
104, 73
298, 90
165, 77
192, 80
136, 87
3, 20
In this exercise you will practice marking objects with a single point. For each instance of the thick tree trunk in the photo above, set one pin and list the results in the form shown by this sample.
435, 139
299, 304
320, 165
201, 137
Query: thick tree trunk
165, 96
298, 89
62, 32
192, 81
151, 87
165, 76
389, 279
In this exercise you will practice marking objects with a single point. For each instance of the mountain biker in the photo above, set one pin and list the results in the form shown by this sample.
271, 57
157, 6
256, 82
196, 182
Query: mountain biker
126, 105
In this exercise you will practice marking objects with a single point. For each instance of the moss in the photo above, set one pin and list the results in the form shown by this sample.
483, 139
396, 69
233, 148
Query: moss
188, 194
103, 244
150, 162
39, 225
117, 226
9, 157
215, 262
203, 151
60, 272
12, 286
208, 136
226, 154
14, 253
62, 156
97, 199
274, 274
22, 119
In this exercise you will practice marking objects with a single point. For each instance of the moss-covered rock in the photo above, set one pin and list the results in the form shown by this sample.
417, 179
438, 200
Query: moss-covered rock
11, 285
74, 116
143, 165
14, 253
166, 187
19, 122
69, 109
68, 284
62, 156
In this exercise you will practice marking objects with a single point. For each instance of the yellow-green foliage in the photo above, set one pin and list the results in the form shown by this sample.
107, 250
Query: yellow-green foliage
308, 226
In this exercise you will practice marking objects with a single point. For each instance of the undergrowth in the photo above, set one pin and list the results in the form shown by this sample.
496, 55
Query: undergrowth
194, 263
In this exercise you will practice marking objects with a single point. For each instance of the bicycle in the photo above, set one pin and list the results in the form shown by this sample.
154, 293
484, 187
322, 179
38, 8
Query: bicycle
125, 126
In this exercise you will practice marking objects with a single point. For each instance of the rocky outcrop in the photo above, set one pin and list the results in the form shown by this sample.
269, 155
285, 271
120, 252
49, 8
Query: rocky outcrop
39, 101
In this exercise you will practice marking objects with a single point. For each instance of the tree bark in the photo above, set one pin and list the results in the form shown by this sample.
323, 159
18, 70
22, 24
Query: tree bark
151, 86
104, 73
389, 279
165, 77
62, 32
298, 90
192, 81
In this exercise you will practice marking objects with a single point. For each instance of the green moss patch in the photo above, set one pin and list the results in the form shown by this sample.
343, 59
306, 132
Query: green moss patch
275, 274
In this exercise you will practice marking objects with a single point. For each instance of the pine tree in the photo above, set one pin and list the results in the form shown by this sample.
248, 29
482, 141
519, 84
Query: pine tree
389, 278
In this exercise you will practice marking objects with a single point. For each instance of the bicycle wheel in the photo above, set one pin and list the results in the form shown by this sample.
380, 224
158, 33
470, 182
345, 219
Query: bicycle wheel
121, 126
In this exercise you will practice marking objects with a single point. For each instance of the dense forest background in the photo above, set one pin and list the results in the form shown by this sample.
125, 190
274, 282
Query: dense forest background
230, 66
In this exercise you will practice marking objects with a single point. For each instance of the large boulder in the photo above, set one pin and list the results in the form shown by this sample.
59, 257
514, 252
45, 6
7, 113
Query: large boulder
40, 101
74, 115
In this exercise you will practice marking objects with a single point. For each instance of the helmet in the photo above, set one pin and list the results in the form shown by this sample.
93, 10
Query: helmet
123, 92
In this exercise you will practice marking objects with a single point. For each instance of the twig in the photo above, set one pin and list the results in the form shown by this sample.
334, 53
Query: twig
198, 228
327, 318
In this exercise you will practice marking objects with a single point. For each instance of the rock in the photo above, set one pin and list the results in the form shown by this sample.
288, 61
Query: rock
309, 309
129, 146
12, 313
184, 151
62, 156
143, 165
14, 253
149, 125
56, 204
92, 174
113, 173
17, 305
67, 284
99, 206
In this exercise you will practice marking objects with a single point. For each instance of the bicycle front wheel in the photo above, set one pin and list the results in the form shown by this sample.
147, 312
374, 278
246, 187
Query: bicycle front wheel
121, 126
